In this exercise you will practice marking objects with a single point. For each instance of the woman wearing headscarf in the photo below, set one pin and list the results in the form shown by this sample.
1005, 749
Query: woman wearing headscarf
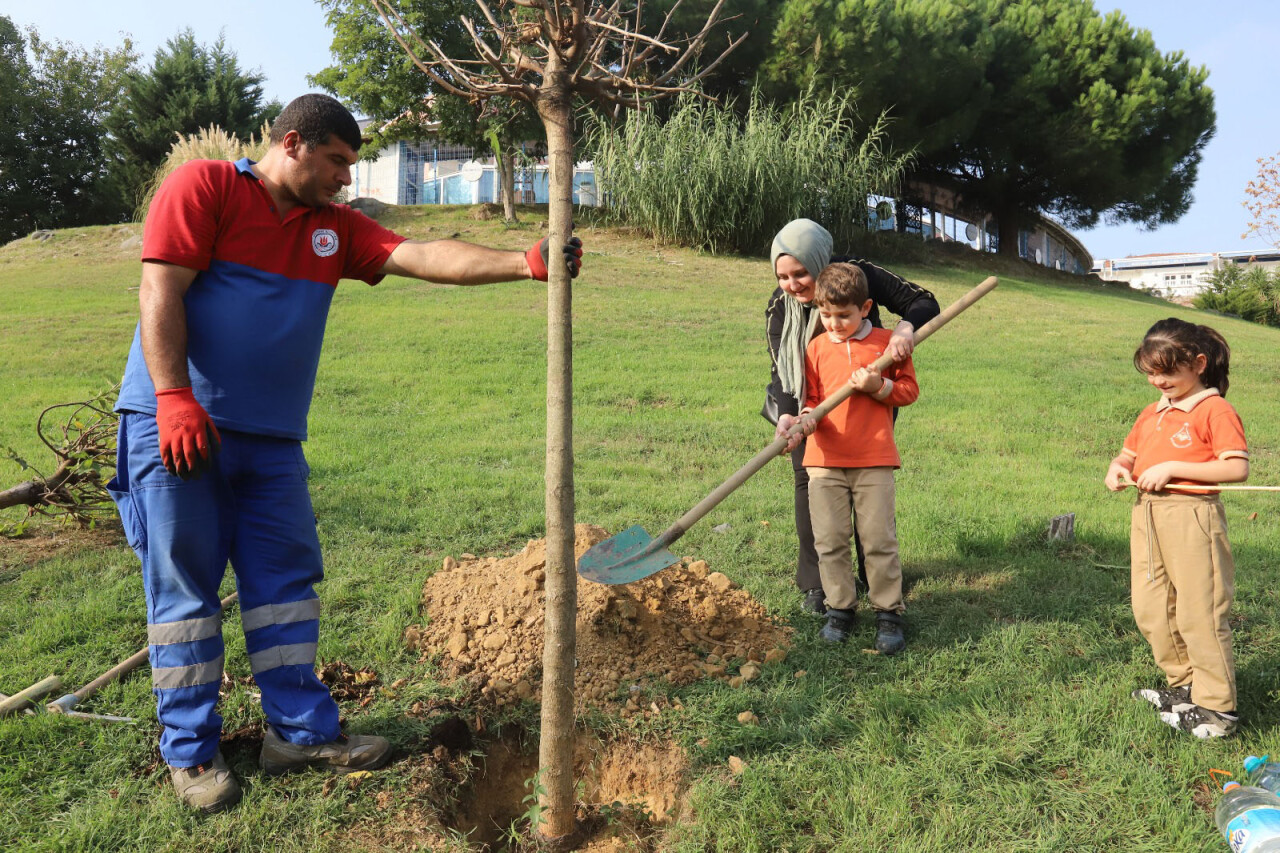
801, 250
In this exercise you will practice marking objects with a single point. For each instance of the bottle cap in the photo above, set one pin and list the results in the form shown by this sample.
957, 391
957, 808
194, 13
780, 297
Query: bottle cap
1229, 786
1253, 762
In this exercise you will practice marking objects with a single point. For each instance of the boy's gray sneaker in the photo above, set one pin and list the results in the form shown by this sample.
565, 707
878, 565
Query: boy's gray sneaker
1167, 700
345, 754
889, 636
209, 787
840, 624
1202, 722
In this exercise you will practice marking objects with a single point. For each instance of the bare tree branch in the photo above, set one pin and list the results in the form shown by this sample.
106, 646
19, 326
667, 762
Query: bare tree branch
634, 37
385, 10
695, 44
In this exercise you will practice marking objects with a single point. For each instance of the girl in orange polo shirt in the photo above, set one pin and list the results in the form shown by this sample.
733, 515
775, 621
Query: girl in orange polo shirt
1183, 575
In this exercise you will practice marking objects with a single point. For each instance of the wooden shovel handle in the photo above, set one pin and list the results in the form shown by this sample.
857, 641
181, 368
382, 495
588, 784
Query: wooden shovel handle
23, 698
845, 391
779, 444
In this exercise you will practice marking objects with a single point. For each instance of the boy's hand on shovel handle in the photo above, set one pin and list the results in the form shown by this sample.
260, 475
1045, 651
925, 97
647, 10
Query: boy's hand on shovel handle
794, 429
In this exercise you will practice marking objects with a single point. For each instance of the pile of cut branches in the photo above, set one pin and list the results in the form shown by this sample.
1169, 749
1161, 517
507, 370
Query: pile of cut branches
82, 438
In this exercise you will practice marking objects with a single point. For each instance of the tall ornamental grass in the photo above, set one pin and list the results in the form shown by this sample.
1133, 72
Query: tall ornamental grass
710, 176
210, 143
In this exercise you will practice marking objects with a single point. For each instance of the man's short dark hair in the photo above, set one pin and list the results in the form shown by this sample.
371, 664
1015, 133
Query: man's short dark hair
315, 117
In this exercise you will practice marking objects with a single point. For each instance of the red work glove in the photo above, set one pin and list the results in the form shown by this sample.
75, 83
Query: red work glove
188, 438
538, 259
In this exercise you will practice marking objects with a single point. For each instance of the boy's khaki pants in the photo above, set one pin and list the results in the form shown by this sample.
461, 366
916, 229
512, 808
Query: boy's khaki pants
1183, 582
836, 497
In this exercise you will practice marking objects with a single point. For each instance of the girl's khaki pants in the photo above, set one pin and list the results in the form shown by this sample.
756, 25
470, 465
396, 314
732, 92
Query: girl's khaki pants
1183, 582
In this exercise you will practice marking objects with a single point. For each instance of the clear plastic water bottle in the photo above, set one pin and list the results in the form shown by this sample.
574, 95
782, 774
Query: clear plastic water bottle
1249, 818
1262, 773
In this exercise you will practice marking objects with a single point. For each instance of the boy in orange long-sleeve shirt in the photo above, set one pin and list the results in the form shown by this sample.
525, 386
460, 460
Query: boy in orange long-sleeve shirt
852, 456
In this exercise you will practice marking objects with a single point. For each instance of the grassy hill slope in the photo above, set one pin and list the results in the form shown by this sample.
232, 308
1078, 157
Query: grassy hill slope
1006, 726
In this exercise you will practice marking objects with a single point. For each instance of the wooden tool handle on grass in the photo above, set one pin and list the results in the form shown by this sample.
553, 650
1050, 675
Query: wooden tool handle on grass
779, 444
137, 659
23, 698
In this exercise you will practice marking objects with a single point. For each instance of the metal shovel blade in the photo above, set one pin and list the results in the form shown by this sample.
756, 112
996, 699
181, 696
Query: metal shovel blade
631, 555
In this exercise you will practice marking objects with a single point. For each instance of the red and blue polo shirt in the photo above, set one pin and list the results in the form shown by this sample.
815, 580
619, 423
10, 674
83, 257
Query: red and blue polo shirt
256, 310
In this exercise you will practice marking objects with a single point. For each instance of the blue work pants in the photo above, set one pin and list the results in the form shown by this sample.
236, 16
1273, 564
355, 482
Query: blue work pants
253, 509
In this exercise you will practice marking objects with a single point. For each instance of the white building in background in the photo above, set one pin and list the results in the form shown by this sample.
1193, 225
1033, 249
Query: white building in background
1179, 276
432, 172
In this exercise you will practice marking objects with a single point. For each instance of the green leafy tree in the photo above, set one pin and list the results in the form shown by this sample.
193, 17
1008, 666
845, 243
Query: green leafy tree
375, 75
54, 171
189, 86
1021, 107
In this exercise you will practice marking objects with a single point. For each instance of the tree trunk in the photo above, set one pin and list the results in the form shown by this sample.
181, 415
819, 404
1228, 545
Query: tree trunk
507, 178
555, 754
1008, 225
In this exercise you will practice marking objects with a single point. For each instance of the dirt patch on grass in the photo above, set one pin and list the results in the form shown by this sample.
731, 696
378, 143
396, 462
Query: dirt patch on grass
484, 620
681, 625
46, 541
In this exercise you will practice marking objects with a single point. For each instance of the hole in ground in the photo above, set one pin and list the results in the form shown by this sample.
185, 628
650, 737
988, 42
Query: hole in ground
626, 790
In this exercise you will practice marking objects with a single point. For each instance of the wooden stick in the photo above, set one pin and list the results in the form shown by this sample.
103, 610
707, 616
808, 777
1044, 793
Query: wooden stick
68, 702
22, 698
1174, 487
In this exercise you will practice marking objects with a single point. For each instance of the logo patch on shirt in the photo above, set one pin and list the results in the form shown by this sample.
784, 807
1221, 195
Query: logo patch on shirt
324, 241
1181, 438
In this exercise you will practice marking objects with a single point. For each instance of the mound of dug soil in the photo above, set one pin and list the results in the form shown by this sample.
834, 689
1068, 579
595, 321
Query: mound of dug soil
680, 625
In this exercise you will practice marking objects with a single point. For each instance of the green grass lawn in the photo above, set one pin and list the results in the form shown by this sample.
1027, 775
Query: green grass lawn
1007, 725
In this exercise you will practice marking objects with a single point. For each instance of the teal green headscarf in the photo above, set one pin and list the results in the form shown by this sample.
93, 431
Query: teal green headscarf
810, 244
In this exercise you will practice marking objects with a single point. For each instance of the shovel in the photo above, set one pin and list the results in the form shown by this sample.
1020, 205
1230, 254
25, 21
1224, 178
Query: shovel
633, 554
66, 705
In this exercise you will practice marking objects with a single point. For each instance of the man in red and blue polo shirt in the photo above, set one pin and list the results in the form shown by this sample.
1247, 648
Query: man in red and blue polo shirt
239, 264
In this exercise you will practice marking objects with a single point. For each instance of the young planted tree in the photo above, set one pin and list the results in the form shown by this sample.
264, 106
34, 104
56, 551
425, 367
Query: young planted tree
373, 74
549, 53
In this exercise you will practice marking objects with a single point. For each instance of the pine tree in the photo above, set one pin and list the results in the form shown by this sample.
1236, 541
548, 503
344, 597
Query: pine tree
189, 86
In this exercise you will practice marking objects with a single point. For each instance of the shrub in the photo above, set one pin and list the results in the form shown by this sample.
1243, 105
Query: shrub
1251, 293
211, 143
714, 178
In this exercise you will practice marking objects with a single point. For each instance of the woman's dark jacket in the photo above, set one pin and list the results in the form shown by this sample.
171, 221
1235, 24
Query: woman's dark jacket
908, 300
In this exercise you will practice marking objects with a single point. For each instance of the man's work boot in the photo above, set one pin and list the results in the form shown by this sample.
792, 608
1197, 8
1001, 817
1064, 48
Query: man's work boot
209, 787
889, 638
839, 625
346, 754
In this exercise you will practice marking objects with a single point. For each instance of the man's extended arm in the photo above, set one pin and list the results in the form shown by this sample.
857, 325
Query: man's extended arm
456, 262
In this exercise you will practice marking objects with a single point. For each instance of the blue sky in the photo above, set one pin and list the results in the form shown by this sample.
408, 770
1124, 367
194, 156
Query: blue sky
1237, 40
